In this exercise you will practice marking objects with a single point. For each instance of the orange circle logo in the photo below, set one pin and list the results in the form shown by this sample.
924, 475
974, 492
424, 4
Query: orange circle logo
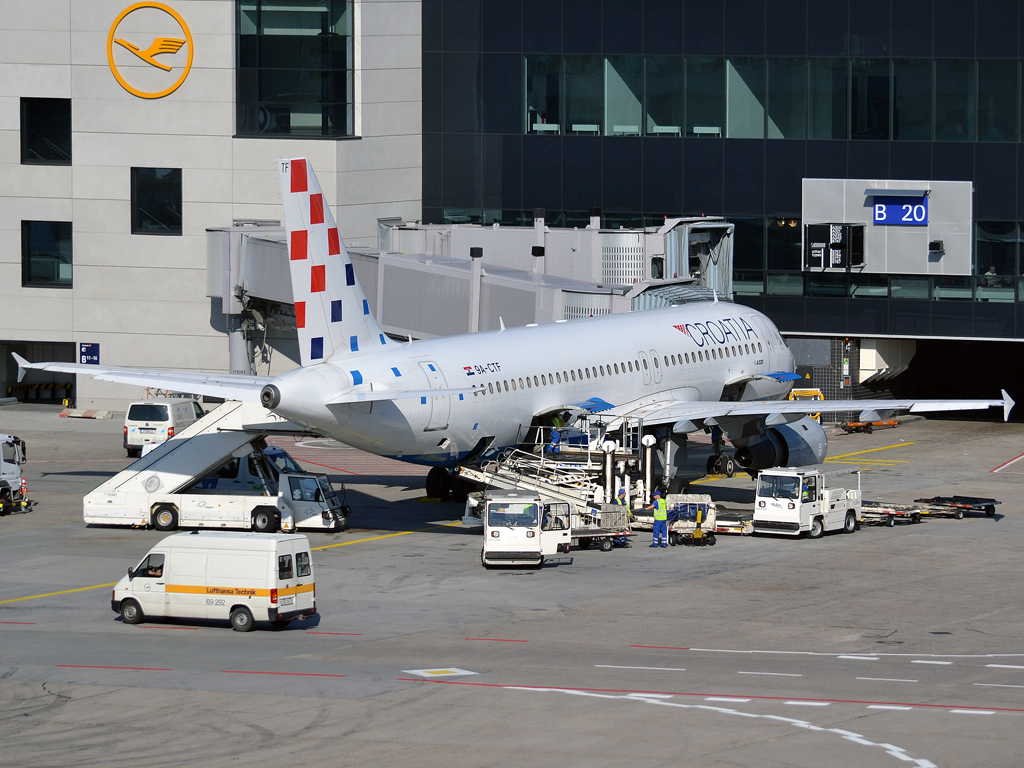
163, 37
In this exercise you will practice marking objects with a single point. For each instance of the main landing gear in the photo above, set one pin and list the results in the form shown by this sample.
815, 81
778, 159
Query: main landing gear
442, 483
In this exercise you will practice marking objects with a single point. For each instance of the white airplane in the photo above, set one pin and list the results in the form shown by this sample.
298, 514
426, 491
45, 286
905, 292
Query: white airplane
457, 399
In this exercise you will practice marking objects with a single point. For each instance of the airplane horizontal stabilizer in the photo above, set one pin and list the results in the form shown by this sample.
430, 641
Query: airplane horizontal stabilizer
226, 385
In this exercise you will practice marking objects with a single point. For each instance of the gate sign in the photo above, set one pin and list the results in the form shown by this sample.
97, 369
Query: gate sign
89, 354
901, 211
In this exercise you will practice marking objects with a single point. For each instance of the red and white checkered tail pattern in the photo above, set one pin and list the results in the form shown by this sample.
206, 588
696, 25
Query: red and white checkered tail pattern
331, 311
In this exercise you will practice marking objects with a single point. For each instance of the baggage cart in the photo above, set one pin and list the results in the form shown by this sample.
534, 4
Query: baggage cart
956, 506
881, 513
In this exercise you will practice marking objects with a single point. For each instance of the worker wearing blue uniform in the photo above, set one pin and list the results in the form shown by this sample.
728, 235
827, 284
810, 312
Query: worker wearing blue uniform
660, 529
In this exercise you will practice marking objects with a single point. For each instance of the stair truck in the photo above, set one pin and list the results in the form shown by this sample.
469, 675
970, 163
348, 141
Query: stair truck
807, 500
215, 475
13, 489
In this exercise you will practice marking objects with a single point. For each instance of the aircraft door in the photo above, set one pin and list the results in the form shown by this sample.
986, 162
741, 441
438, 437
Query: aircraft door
645, 366
440, 405
657, 366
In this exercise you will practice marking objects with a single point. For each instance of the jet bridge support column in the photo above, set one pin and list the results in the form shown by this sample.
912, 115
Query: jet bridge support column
476, 257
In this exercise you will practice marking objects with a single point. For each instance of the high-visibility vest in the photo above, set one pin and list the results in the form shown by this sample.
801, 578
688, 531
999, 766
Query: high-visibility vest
660, 509
621, 501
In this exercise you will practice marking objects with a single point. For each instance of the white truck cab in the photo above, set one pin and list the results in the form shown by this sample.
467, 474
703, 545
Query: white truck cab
240, 577
13, 490
522, 529
812, 500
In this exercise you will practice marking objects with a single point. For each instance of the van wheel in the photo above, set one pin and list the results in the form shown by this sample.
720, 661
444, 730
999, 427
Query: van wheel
134, 453
165, 518
264, 520
817, 529
280, 623
131, 613
850, 524
241, 619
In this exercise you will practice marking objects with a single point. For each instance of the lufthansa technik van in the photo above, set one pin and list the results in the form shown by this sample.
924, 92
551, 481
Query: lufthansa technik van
241, 577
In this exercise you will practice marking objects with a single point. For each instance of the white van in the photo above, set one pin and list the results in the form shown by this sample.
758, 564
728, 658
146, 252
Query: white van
156, 421
241, 577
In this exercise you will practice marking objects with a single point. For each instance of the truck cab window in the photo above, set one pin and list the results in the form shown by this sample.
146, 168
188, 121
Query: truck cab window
304, 489
284, 567
150, 568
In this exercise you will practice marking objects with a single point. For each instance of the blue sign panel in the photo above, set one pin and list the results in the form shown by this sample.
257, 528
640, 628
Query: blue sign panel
89, 354
901, 211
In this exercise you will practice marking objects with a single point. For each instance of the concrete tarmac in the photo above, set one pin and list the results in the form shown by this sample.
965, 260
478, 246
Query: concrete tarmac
887, 647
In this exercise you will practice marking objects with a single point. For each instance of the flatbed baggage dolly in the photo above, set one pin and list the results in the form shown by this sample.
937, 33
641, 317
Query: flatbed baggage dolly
604, 528
955, 506
881, 513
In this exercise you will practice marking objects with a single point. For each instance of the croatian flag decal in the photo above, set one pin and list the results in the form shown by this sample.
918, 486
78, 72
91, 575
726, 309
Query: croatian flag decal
682, 328
469, 370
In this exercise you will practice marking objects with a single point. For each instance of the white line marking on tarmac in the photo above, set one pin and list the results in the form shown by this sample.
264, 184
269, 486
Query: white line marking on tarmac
856, 738
896, 655
658, 696
773, 674
726, 698
929, 661
888, 679
972, 711
859, 658
1004, 666
657, 669
998, 685
886, 706
808, 703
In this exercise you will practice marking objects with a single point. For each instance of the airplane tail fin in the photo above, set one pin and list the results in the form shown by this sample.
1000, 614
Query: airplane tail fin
331, 311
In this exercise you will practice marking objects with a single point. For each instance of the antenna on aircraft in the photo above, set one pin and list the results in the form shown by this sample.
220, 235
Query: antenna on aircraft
501, 323
715, 292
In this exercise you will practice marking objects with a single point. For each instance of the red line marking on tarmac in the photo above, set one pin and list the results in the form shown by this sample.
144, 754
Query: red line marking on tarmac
703, 694
328, 466
96, 666
497, 640
17, 622
294, 674
349, 634
1004, 465
662, 647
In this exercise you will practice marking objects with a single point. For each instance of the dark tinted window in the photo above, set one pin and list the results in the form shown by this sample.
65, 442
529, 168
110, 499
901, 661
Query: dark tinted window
46, 131
284, 567
156, 201
46, 254
147, 412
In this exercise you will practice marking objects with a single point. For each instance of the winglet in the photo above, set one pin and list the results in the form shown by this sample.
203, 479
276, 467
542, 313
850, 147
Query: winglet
1007, 403
23, 364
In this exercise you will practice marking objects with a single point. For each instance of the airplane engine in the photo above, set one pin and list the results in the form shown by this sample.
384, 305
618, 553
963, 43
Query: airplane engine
788, 445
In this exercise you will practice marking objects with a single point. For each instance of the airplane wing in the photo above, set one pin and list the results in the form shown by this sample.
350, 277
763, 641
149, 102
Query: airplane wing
775, 411
226, 385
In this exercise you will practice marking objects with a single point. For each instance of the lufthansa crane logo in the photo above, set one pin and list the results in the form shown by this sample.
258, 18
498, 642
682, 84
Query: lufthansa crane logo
150, 61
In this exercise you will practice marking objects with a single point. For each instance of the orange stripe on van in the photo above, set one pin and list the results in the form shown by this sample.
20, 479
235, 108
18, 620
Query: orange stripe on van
237, 591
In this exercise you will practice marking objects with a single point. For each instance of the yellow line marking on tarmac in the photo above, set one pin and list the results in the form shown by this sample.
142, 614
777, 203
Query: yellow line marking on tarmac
871, 450
62, 592
385, 536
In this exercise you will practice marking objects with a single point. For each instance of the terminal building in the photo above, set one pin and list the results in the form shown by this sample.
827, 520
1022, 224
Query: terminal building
864, 154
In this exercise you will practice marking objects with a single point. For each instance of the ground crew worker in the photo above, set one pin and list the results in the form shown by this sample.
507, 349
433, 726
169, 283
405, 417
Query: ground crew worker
660, 530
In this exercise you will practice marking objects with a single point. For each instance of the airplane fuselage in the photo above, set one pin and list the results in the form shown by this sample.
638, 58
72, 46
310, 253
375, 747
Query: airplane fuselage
691, 351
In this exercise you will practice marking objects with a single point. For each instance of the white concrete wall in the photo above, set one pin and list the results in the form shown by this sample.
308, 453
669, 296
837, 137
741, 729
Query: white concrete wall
142, 297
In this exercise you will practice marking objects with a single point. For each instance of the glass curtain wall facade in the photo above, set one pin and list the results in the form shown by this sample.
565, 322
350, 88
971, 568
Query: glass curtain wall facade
655, 108
294, 74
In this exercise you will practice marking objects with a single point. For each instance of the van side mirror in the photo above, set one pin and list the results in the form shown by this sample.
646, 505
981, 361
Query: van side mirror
131, 574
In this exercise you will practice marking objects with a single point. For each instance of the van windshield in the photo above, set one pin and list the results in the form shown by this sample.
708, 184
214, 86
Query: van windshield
778, 486
512, 515
147, 412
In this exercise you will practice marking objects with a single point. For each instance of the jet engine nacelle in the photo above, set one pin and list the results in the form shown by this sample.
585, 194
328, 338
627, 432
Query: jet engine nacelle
789, 445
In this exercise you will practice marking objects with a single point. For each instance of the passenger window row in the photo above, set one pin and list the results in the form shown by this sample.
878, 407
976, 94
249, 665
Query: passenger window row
632, 366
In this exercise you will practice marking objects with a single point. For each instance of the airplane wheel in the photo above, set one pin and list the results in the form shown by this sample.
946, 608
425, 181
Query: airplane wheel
678, 485
712, 464
730, 468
